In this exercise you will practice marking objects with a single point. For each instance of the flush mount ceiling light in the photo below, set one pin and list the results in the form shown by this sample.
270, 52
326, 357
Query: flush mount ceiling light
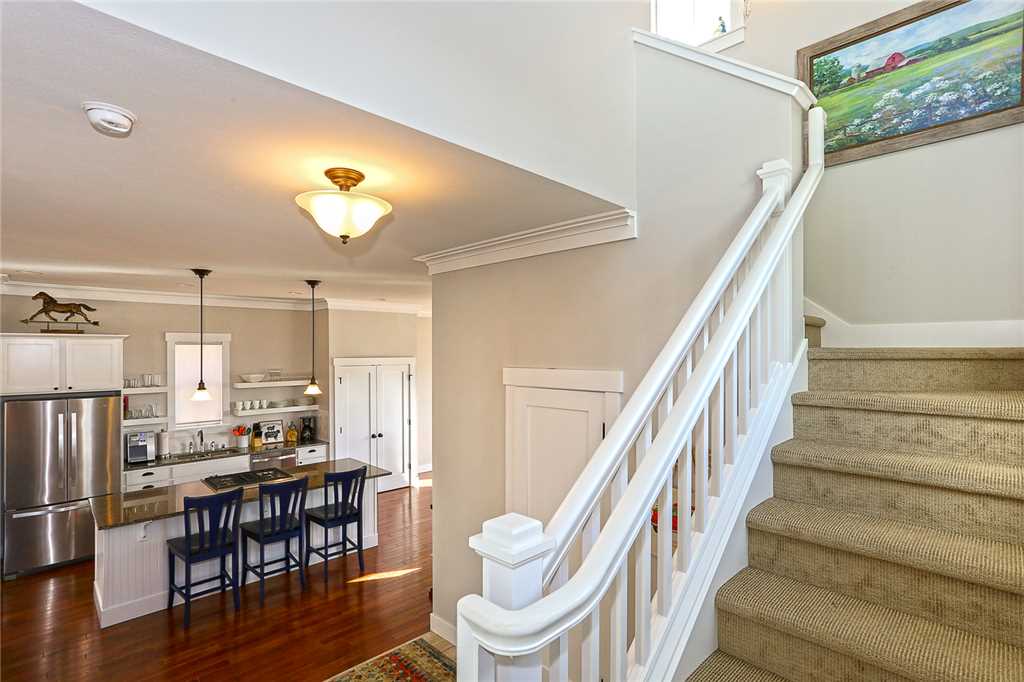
344, 213
109, 119
201, 394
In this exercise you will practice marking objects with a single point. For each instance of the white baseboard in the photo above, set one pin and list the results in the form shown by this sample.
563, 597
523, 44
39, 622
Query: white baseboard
838, 333
424, 467
442, 628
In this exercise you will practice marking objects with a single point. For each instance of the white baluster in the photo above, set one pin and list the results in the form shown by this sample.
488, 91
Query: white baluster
700, 471
513, 548
743, 384
474, 664
766, 334
684, 494
642, 596
756, 341
716, 430
730, 409
558, 651
590, 664
667, 400
665, 548
619, 618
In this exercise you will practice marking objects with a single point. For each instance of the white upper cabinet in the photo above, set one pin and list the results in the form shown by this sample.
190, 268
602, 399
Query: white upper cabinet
93, 364
32, 363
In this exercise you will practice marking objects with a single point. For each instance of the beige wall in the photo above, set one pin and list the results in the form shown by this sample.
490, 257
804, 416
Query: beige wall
931, 234
260, 339
610, 306
357, 334
424, 390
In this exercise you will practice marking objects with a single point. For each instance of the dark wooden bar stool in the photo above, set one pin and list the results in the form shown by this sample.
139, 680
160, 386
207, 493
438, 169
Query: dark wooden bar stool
282, 516
212, 535
343, 504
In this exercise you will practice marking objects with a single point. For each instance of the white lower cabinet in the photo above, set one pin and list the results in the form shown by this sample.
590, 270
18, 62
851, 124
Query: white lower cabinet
157, 477
310, 454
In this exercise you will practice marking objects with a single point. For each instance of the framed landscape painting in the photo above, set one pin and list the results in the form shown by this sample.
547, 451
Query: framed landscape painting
930, 72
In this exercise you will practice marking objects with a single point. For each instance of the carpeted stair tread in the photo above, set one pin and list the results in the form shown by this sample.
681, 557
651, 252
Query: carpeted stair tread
950, 472
1002, 405
905, 645
982, 561
915, 353
721, 667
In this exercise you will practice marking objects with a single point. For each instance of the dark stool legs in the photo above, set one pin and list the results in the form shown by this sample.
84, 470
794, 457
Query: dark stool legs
343, 497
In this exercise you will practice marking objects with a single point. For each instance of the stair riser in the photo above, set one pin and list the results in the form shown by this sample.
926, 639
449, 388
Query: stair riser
986, 440
791, 657
975, 608
996, 518
916, 375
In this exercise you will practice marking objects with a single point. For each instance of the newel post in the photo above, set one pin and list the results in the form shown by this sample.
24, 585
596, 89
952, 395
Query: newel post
777, 173
513, 547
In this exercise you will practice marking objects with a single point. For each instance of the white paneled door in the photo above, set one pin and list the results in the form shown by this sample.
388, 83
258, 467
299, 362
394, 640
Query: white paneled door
393, 425
354, 390
373, 407
550, 435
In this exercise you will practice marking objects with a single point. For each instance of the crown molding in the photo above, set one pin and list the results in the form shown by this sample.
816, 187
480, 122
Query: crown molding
9, 288
798, 90
570, 234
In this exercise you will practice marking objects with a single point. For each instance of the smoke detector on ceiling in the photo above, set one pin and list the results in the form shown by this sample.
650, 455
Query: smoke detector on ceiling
109, 119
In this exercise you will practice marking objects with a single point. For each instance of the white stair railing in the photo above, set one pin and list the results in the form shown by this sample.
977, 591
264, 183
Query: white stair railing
687, 427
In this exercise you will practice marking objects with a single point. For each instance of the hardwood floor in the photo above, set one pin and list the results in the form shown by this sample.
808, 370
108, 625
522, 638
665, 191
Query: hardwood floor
49, 628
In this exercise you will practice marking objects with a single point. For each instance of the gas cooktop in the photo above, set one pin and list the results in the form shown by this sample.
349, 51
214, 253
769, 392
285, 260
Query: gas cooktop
244, 478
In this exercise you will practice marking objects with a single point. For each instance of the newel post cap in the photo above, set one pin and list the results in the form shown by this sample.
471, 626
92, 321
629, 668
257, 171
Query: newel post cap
777, 173
512, 540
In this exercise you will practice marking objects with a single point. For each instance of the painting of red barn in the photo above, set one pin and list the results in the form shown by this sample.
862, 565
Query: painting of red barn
930, 72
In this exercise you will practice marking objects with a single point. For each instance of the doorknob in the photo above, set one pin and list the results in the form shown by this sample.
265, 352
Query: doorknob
373, 435
380, 435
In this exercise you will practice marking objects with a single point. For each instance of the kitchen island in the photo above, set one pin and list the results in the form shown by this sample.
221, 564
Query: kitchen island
132, 529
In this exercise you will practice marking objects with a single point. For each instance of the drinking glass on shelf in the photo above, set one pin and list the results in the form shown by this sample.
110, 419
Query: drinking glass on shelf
158, 380
149, 411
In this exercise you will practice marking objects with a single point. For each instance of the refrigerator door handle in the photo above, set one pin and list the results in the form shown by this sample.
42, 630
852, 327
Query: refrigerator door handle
60, 447
73, 466
44, 512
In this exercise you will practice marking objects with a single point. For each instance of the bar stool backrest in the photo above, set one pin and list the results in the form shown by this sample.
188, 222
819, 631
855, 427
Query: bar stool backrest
279, 502
211, 521
343, 492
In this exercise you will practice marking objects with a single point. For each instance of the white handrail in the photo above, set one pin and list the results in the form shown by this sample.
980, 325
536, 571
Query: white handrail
586, 491
517, 632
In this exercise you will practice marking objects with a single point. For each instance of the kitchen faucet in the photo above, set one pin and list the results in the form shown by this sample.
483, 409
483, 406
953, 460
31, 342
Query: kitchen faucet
202, 445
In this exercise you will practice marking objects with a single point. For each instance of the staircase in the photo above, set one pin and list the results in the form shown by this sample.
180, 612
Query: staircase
894, 545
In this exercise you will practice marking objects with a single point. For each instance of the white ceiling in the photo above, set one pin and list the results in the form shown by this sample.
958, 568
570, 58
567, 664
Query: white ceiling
207, 178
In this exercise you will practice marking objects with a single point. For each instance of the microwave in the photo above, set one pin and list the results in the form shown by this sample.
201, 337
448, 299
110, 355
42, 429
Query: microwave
140, 447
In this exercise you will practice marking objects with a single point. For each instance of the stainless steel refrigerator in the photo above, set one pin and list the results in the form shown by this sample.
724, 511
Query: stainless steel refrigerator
57, 453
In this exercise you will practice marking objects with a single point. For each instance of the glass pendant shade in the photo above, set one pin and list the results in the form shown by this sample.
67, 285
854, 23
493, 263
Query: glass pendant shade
201, 394
313, 388
343, 214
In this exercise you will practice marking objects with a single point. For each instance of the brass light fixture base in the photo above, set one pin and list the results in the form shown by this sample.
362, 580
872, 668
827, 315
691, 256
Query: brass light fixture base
344, 178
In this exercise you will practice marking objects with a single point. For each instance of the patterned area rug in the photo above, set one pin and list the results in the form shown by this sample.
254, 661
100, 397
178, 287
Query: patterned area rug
415, 661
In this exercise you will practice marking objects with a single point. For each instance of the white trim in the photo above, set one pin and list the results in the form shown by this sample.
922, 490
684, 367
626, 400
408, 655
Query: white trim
373, 306
570, 234
725, 41
599, 380
363, 362
700, 576
191, 298
425, 313
442, 628
769, 79
55, 335
425, 468
209, 338
838, 333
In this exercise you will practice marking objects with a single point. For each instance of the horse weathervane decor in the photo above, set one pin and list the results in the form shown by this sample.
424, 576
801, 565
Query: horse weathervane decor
50, 305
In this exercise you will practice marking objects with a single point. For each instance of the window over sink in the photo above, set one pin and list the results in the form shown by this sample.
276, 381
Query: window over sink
183, 371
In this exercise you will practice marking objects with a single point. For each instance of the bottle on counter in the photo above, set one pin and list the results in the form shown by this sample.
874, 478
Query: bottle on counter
257, 436
292, 436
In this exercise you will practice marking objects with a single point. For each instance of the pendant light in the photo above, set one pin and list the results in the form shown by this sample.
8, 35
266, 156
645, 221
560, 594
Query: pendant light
201, 394
344, 213
313, 388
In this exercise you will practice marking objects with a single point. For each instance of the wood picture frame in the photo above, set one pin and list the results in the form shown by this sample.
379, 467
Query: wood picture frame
893, 125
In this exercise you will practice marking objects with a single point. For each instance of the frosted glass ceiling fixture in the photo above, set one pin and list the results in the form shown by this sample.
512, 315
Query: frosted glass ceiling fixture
343, 213
201, 394
313, 388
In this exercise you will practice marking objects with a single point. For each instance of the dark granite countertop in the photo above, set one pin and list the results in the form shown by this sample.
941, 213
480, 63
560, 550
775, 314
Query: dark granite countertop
122, 509
189, 457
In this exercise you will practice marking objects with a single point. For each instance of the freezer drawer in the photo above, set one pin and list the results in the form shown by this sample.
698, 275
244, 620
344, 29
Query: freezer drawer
34, 538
